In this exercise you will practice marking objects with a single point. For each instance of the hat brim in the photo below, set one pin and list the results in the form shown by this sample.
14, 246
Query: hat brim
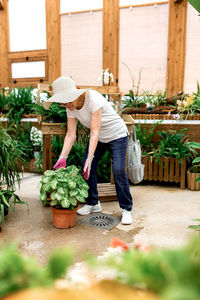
63, 97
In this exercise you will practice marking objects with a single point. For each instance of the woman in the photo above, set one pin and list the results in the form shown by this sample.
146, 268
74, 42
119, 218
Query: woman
107, 131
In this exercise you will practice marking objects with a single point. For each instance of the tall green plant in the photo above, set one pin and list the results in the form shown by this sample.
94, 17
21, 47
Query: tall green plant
19, 102
146, 137
174, 144
11, 152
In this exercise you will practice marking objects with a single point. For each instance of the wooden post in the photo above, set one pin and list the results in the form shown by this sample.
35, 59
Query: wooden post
4, 45
176, 46
1, 4
53, 38
47, 161
111, 37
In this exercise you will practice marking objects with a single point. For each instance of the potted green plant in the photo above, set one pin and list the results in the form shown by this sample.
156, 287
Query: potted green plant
11, 151
7, 199
193, 174
66, 187
167, 160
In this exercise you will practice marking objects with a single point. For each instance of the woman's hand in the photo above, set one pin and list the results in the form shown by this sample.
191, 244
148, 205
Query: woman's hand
61, 163
87, 167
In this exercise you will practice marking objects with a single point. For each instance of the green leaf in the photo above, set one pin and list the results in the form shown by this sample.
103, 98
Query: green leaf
53, 184
5, 200
83, 193
196, 160
73, 193
71, 184
73, 201
79, 198
195, 145
2, 214
195, 227
61, 191
49, 173
53, 195
58, 197
54, 202
43, 197
198, 179
65, 203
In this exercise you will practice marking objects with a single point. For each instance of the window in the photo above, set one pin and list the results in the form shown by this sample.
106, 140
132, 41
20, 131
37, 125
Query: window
137, 2
28, 69
79, 5
27, 25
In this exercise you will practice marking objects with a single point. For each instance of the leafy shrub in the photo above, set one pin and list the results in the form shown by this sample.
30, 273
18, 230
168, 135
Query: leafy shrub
56, 113
174, 144
19, 102
146, 136
18, 272
66, 187
173, 274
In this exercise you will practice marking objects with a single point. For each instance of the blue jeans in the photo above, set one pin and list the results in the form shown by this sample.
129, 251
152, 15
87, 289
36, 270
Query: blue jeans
118, 153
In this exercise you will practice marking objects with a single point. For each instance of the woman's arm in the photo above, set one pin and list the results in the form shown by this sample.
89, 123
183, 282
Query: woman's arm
70, 137
95, 125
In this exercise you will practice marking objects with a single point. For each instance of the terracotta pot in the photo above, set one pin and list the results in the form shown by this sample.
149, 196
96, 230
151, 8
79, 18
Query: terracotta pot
191, 181
64, 218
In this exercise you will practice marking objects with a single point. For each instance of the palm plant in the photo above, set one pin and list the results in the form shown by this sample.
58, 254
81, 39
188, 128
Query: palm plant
56, 113
11, 152
174, 144
19, 102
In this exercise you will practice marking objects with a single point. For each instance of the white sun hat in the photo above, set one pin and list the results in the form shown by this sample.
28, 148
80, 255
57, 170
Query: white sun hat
64, 91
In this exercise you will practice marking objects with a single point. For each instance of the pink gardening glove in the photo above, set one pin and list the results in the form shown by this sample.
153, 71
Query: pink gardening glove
61, 163
87, 167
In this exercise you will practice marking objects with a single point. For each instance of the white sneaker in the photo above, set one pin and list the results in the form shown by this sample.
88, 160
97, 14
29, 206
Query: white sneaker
87, 209
126, 217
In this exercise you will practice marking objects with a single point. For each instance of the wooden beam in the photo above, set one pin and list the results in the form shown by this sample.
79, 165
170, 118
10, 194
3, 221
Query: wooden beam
111, 37
176, 47
4, 46
1, 4
53, 38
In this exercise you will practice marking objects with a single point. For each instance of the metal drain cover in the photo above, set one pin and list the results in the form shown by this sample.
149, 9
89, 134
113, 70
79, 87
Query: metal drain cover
103, 221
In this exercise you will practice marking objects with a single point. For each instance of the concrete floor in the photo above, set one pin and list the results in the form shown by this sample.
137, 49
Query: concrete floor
161, 217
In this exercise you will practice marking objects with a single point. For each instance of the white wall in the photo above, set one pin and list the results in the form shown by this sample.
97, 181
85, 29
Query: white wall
192, 65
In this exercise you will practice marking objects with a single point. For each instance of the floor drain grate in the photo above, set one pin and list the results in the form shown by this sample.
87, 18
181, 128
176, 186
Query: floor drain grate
102, 221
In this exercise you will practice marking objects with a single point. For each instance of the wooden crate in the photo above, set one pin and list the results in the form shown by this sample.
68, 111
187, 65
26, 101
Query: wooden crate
170, 170
191, 181
106, 192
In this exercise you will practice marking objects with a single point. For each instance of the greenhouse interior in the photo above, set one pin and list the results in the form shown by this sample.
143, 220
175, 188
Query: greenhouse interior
100, 149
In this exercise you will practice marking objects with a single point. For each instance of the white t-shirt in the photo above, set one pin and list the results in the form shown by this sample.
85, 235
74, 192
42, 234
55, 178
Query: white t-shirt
112, 126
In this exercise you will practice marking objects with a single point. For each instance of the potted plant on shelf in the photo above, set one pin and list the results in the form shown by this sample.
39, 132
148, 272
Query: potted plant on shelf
66, 188
36, 139
193, 174
167, 160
